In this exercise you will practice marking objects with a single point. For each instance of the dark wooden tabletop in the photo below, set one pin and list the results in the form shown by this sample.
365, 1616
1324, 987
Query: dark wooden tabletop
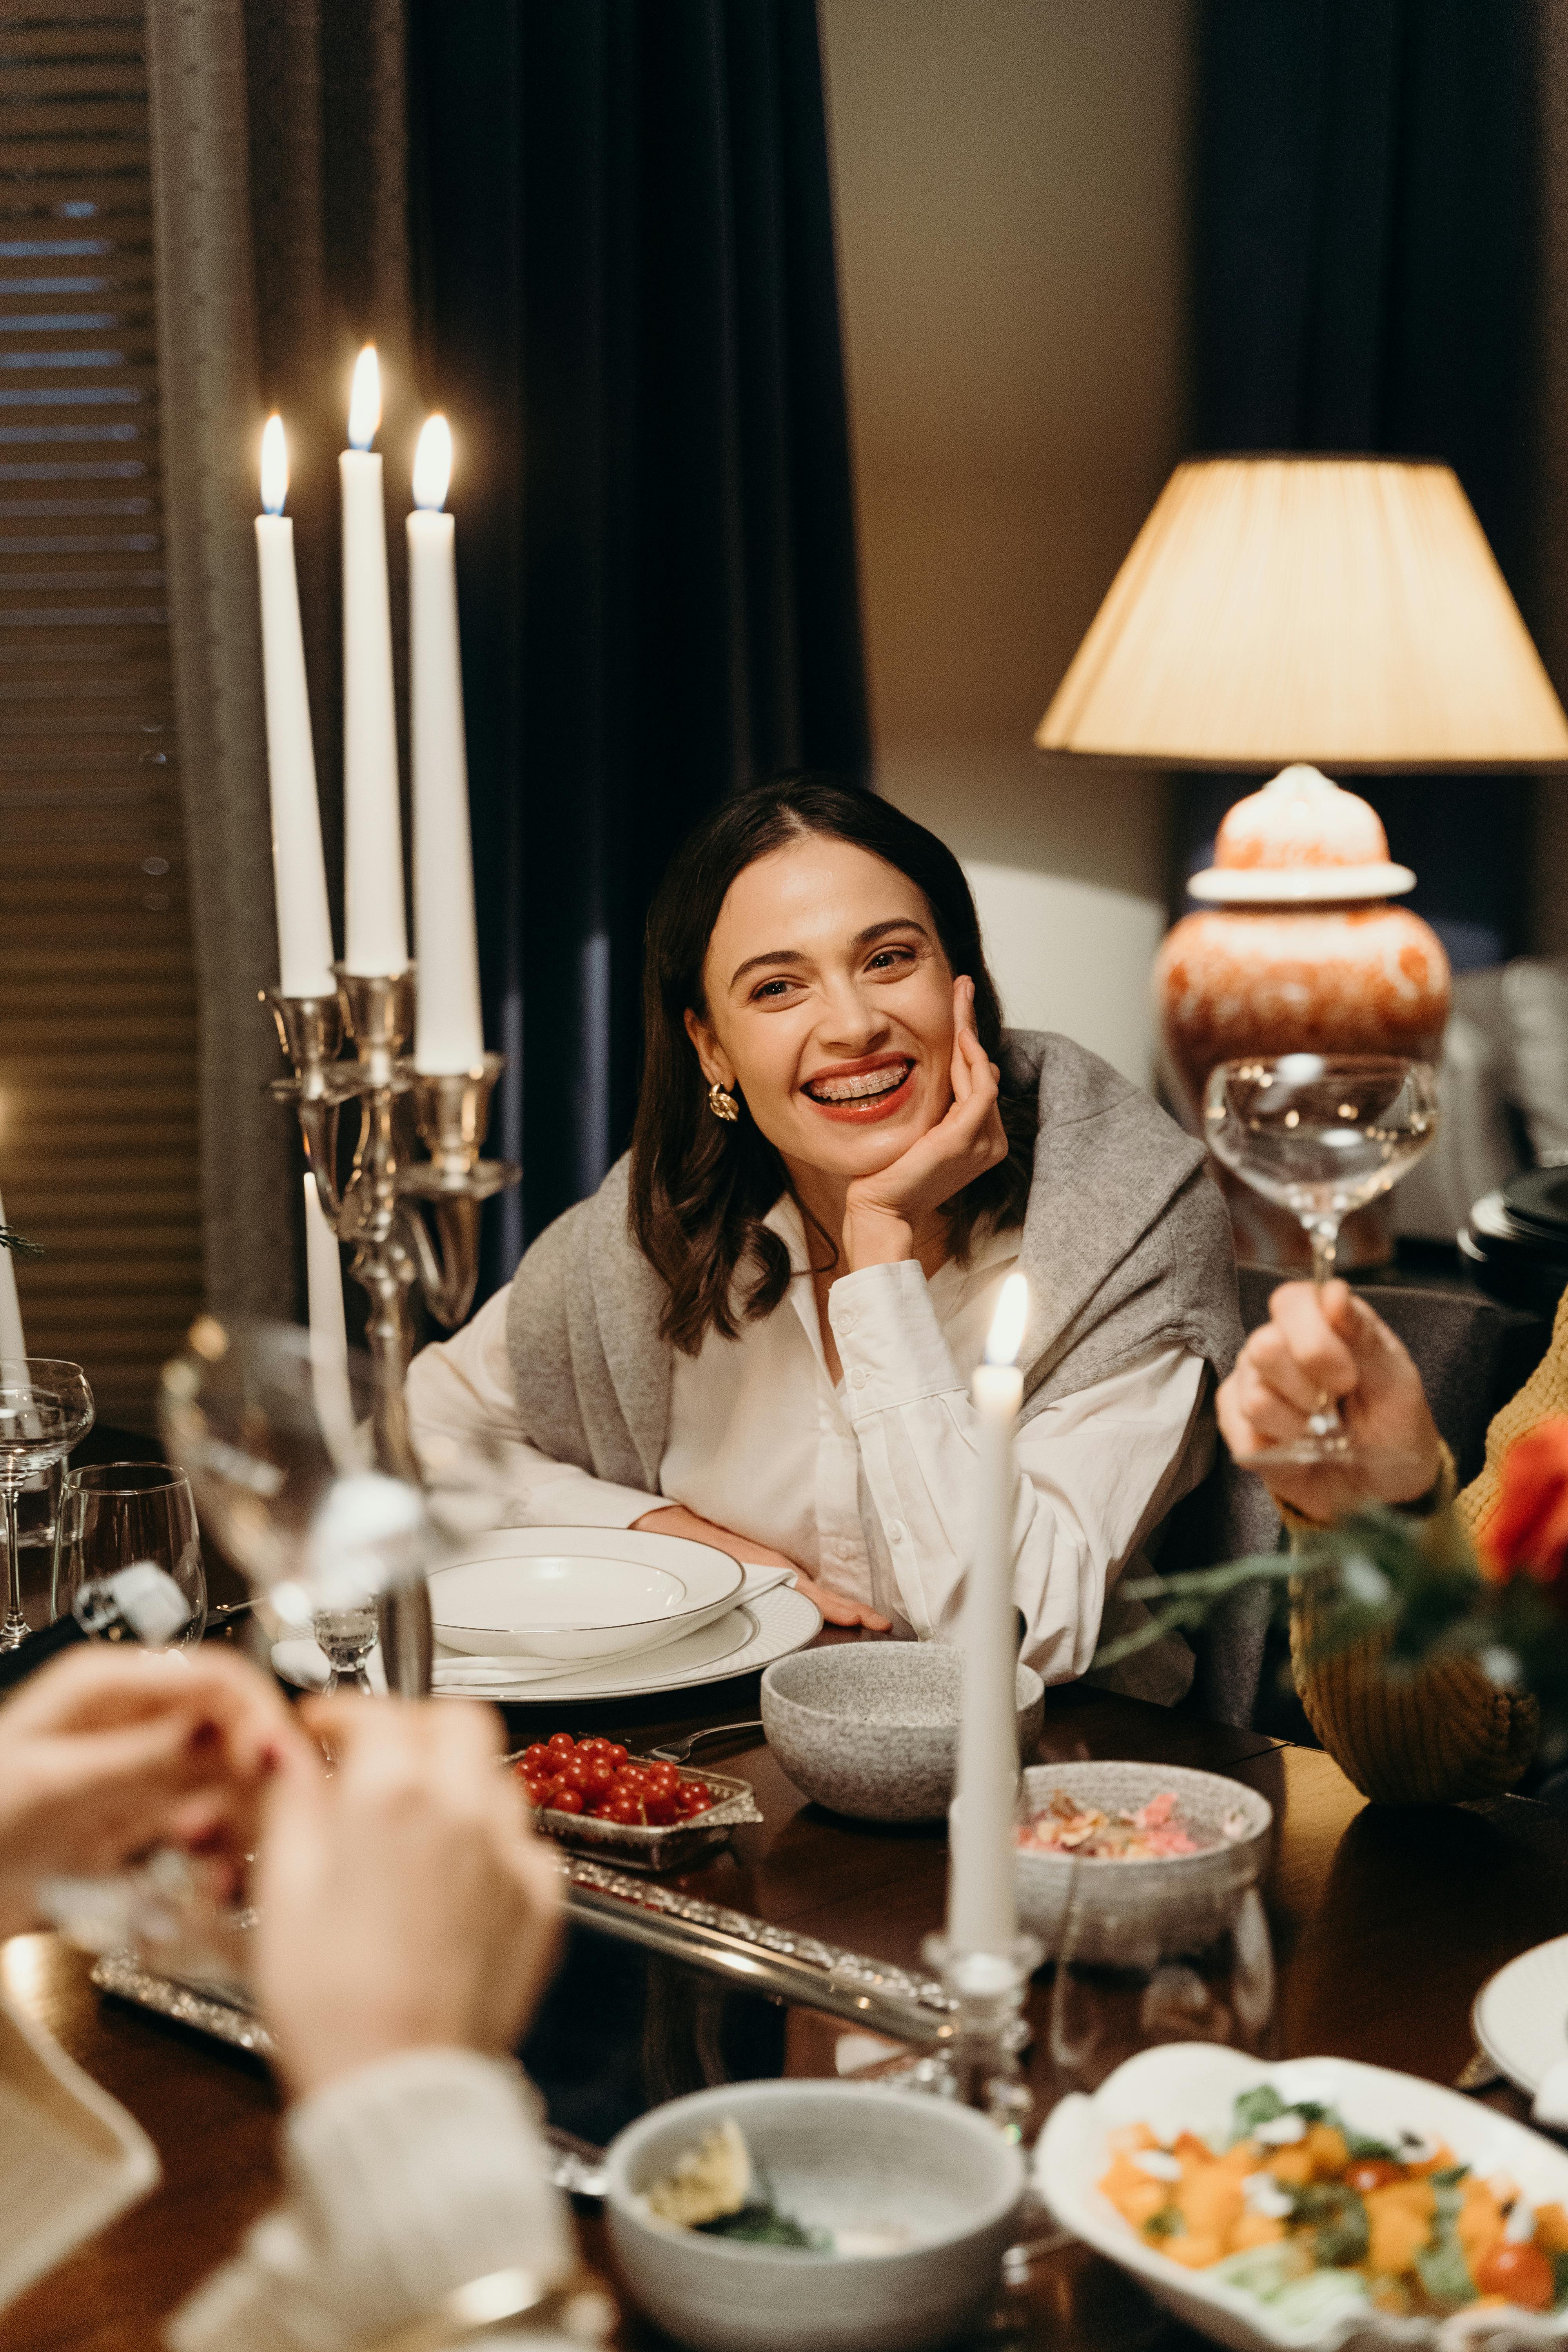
1385, 1924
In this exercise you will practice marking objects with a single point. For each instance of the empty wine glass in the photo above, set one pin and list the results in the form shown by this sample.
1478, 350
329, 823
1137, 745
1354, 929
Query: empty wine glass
112, 1513
288, 1486
1321, 1135
1130, 1975
46, 1408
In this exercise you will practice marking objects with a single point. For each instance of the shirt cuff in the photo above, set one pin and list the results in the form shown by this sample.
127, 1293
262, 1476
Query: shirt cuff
890, 1341
406, 2180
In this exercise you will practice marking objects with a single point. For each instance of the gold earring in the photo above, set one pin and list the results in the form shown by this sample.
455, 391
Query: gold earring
722, 1106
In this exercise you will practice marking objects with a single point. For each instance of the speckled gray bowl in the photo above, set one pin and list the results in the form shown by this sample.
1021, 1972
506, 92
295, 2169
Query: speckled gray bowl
1122, 1908
835, 2156
871, 1730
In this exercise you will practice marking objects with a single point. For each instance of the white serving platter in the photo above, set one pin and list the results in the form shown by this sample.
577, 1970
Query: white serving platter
1521, 2015
1193, 2085
576, 1594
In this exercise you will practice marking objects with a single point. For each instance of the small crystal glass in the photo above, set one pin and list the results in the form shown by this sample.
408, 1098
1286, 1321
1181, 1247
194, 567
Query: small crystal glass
1321, 1135
346, 1635
46, 1408
112, 1513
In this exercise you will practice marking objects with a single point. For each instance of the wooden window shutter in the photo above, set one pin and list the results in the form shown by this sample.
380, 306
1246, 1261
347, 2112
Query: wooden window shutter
98, 1006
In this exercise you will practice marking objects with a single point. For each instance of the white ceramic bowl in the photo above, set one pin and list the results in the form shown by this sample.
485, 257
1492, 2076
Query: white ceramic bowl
578, 1592
870, 1729
835, 2155
1191, 2086
1177, 1902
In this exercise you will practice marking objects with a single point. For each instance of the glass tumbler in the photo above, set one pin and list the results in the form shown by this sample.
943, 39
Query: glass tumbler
112, 1513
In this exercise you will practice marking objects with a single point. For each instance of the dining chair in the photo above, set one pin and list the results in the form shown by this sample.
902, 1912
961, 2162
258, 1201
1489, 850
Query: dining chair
1472, 1355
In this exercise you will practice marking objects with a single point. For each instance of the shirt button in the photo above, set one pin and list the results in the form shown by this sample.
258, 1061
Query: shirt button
848, 1318
895, 1531
859, 1377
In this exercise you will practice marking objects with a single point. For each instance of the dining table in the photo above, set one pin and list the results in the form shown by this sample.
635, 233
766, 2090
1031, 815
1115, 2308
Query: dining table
1385, 1923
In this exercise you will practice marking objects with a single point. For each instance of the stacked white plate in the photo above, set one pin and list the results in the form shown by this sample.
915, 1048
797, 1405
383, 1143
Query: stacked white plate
595, 1613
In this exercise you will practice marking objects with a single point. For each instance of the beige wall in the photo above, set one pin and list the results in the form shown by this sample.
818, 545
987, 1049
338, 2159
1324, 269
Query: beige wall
1011, 195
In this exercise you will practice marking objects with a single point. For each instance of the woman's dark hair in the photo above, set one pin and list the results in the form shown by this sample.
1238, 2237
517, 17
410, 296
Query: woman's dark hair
700, 1188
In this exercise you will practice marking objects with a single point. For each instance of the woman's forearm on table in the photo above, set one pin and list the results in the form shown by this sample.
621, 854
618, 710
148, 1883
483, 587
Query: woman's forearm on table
1091, 1470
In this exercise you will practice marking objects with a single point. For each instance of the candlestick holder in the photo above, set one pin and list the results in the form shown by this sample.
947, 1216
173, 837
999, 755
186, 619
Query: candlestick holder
378, 1211
989, 1990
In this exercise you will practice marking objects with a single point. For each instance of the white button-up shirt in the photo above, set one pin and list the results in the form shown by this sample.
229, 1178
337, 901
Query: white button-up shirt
868, 1485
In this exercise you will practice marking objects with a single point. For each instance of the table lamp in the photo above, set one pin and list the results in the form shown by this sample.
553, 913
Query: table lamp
1302, 613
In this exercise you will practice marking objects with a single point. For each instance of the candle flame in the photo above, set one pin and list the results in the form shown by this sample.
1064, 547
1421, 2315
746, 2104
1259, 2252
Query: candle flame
364, 403
1007, 1333
274, 465
433, 463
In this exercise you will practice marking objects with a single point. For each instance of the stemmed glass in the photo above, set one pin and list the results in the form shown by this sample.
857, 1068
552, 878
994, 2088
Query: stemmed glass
46, 1408
1128, 1976
112, 1513
346, 1635
1321, 1135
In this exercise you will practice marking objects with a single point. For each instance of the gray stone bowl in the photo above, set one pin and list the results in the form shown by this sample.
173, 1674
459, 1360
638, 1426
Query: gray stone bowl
870, 1729
836, 2155
1123, 1909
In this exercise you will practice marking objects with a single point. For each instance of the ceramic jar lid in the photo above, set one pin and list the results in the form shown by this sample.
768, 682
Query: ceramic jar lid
1301, 841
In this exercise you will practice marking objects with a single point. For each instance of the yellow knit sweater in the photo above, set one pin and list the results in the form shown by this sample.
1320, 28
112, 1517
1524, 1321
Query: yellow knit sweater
1446, 1732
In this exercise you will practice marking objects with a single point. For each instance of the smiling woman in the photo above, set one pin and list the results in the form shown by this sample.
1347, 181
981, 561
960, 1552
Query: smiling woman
759, 1332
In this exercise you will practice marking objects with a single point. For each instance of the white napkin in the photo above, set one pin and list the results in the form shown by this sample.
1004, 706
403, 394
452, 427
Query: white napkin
480, 1674
1551, 2103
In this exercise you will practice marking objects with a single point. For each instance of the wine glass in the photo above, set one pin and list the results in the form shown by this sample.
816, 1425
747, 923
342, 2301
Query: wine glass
46, 1408
285, 1480
1321, 1135
1129, 1976
112, 1513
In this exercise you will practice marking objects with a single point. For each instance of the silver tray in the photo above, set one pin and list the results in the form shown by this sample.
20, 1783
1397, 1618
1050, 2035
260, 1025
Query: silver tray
676, 1845
734, 1945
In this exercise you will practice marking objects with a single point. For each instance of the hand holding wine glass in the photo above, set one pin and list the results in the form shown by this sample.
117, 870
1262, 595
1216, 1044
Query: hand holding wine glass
1320, 1135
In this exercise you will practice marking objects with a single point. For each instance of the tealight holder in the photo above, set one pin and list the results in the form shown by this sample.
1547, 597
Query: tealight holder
379, 1210
982, 2060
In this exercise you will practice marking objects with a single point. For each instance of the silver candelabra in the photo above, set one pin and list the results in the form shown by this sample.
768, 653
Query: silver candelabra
406, 1220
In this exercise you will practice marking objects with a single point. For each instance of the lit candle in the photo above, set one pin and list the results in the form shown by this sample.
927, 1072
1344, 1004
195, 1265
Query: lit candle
449, 1035
12, 1342
980, 1917
329, 1332
298, 875
375, 935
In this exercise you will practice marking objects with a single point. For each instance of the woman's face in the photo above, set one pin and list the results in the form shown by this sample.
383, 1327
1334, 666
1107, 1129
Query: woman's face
829, 1007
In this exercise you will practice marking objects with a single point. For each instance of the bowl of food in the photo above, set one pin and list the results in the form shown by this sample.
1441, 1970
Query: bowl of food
1144, 1852
870, 1729
1303, 2206
811, 2216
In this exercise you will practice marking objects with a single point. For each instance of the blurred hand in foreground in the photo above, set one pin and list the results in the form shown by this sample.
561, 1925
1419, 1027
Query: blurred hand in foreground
106, 1752
404, 1901
1330, 1345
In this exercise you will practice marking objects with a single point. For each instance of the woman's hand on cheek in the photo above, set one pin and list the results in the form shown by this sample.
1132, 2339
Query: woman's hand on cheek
885, 1214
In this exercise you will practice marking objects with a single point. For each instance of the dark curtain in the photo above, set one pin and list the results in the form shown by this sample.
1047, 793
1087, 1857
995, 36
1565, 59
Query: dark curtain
1366, 273
627, 303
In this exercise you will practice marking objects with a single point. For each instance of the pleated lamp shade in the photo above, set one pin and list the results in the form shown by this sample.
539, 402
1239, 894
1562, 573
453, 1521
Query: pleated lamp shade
1344, 611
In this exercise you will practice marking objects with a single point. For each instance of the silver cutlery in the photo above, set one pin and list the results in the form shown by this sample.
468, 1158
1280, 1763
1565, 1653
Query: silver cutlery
677, 1751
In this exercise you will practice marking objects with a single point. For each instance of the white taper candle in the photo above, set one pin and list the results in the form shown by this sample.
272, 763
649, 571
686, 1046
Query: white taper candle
375, 932
329, 1332
981, 1911
12, 1341
449, 1035
299, 873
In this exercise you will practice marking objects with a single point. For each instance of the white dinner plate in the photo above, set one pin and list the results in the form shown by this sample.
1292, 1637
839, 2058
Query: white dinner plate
576, 1593
1521, 2015
742, 1643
